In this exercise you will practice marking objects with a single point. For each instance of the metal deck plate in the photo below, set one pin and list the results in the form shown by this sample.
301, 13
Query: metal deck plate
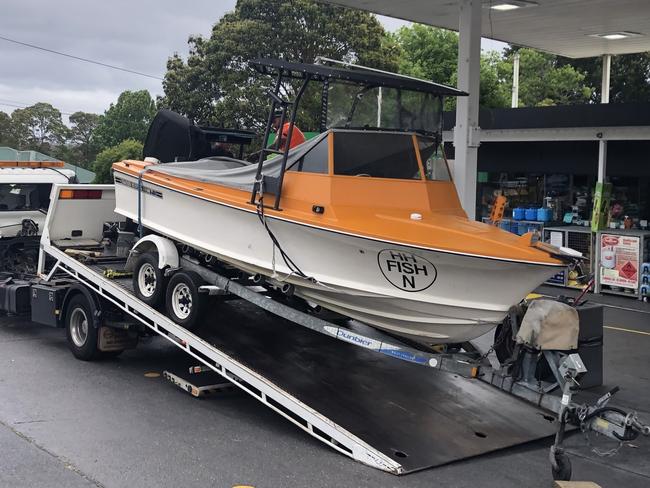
417, 416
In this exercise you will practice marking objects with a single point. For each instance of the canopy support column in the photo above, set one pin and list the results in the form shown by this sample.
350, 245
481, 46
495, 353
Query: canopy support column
604, 98
467, 131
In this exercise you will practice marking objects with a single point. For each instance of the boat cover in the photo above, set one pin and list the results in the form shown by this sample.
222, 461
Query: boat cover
231, 172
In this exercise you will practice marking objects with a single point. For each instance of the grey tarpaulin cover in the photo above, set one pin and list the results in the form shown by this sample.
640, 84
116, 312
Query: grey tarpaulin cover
550, 325
233, 172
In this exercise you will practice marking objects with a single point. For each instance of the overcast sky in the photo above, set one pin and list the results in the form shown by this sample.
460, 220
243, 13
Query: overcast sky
136, 34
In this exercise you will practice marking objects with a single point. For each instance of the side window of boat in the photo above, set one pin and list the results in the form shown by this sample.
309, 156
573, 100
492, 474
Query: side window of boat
375, 154
433, 160
315, 161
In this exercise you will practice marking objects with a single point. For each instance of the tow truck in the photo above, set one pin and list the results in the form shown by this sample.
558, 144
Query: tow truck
382, 402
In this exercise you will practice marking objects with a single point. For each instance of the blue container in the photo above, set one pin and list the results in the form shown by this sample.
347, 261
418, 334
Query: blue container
645, 290
544, 214
514, 226
645, 268
519, 213
522, 229
504, 225
531, 214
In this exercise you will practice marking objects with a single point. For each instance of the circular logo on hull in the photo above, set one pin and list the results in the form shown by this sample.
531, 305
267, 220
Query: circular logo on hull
405, 270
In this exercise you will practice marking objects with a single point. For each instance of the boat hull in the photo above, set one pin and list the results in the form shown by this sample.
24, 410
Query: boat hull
433, 296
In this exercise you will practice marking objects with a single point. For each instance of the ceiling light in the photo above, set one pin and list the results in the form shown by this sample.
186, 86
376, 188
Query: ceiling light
615, 36
505, 6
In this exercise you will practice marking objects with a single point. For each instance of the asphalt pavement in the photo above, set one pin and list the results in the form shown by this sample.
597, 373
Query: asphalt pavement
118, 423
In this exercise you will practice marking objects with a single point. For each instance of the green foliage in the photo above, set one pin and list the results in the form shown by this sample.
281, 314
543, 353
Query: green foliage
544, 81
629, 77
82, 134
6, 133
215, 85
38, 127
432, 53
428, 52
128, 118
127, 149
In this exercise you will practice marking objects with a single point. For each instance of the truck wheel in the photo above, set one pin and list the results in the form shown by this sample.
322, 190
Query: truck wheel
185, 305
80, 331
148, 280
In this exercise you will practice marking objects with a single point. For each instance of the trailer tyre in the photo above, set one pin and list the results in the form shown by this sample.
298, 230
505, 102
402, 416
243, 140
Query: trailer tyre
80, 331
148, 280
185, 304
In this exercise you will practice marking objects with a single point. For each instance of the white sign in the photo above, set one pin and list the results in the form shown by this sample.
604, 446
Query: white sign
619, 260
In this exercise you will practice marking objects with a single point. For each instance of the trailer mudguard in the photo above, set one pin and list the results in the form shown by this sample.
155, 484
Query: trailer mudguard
165, 248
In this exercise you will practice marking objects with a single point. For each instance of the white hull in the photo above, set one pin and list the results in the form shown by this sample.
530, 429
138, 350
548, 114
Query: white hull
435, 296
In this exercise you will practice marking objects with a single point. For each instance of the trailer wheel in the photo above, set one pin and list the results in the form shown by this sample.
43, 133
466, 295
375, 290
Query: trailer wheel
185, 305
148, 280
80, 331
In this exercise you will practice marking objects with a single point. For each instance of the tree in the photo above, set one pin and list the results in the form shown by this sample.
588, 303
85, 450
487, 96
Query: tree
82, 130
544, 80
127, 149
432, 53
6, 134
128, 118
38, 127
629, 76
216, 85
428, 52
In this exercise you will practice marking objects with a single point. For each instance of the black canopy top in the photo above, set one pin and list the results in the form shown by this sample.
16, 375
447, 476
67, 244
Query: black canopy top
359, 75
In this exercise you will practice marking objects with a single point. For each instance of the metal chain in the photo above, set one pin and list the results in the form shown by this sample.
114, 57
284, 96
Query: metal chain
499, 340
608, 453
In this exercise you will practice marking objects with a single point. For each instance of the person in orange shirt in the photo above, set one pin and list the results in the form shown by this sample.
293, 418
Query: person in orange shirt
297, 137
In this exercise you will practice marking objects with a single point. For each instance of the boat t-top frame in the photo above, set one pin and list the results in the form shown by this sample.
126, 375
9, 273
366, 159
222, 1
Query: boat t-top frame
324, 72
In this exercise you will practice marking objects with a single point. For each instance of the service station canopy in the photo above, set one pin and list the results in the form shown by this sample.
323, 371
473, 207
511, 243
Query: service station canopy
573, 28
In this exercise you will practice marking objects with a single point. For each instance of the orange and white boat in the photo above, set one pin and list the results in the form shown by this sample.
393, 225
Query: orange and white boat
363, 219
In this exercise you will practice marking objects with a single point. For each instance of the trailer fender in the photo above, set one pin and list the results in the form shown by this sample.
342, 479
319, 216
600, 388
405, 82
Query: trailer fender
165, 248
93, 300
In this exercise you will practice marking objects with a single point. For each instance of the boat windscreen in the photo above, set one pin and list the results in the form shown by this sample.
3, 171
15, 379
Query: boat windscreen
369, 107
433, 159
375, 154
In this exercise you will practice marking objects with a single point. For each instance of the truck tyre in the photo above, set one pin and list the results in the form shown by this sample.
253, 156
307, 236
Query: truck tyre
185, 305
80, 330
148, 280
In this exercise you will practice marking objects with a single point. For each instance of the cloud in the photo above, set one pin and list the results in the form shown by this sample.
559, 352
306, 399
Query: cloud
135, 34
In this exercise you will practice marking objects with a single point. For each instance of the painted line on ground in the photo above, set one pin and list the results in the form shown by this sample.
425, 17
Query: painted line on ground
622, 329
